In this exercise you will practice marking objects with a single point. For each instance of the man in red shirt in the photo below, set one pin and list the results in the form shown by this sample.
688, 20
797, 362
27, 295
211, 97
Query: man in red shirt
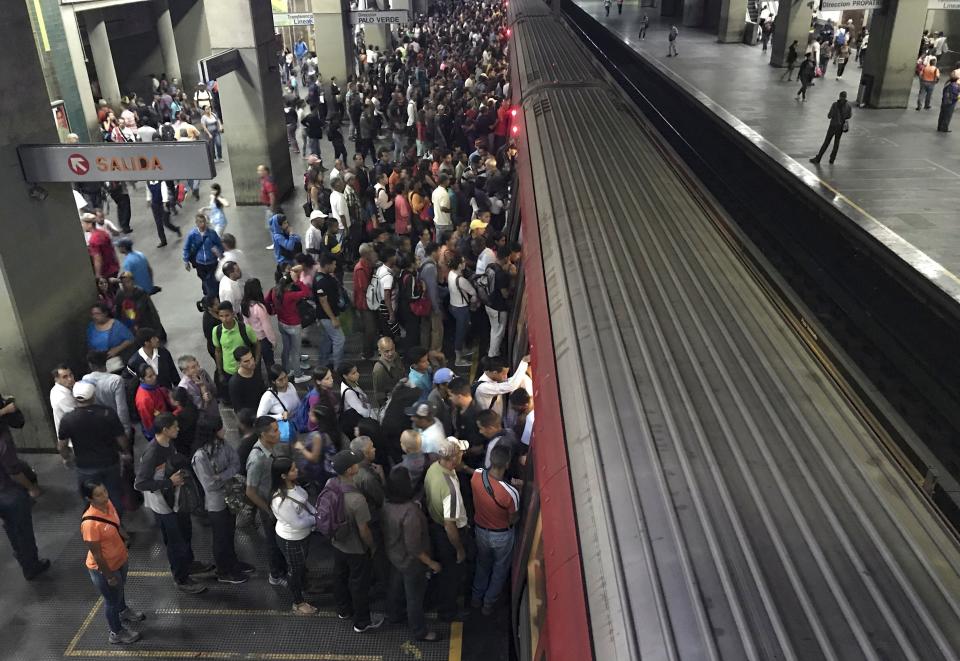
362, 274
100, 247
502, 127
268, 194
496, 505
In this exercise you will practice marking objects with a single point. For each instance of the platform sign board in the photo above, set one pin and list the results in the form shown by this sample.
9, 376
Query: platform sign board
214, 66
393, 17
133, 161
943, 4
291, 20
841, 5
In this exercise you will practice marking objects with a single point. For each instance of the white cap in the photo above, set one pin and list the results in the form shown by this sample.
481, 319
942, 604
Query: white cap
84, 391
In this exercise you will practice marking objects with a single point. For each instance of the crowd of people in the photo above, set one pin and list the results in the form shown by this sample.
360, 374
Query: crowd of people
415, 484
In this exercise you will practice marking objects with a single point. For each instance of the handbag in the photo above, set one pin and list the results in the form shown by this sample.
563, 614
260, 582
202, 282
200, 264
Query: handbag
287, 431
14, 420
846, 126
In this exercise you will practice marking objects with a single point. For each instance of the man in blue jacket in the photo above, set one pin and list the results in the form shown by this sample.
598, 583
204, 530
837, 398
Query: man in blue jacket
286, 244
201, 251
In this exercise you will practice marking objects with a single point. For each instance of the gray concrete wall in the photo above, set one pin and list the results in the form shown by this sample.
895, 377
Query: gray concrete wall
46, 281
252, 98
332, 38
791, 24
193, 38
894, 36
136, 57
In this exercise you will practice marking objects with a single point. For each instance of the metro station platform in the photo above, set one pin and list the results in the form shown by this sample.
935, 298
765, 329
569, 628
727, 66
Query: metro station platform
895, 175
60, 615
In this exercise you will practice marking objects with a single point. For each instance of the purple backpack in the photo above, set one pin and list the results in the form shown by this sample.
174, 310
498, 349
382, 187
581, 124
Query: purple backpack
331, 510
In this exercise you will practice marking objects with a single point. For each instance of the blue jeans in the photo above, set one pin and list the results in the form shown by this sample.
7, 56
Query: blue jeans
290, 358
462, 317
926, 91
217, 141
113, 597
110, 478
494, 550
314, 145
331, 347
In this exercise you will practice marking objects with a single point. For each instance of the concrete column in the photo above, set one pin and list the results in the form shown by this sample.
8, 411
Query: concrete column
693, 13
37, 331
732, 19
77, 60
333, 37
168, 42
792, 23
102, 57
251, 97
894, 35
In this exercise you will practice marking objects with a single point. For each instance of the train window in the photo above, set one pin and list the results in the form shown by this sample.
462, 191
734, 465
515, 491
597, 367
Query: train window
513, 222
535, 595
518, 333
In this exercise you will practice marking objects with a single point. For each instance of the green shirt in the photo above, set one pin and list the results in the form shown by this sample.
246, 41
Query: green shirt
443, 499
229, 339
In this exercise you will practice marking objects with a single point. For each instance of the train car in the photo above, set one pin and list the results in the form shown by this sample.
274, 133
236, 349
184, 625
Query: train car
703, 487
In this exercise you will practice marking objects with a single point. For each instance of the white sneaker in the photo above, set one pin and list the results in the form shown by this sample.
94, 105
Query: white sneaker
278, 580
270, 247
303, 378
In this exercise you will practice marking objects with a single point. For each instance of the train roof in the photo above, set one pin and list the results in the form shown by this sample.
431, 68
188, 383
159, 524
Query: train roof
730, 501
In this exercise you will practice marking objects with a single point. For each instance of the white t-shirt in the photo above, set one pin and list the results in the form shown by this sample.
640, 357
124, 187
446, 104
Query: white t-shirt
270, 403
235, 256
432, 437
384, 282
441, 198
461, 290
339, 209
295, 515
231, 290
486, 258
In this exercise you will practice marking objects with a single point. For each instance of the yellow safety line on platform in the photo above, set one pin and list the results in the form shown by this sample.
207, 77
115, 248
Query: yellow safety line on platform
83, 628
150, 574
41, 26
456, 641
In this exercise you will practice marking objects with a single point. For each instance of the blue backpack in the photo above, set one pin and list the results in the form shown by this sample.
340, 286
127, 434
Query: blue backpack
301, 417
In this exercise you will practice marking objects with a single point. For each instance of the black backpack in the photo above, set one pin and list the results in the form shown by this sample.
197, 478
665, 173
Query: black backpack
307, 310
167, 133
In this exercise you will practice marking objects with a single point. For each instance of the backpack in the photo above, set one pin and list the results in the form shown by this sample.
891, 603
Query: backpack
373, 296
307, 310
420, 304
191, 494
243, 335
473, 393
301, 416
167, 133
330, 507
485, 283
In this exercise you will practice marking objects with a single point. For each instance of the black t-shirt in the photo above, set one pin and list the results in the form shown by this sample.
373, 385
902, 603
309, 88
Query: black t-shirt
244, 448
325, 285
501, 282
93, 430
467, 429
246, 393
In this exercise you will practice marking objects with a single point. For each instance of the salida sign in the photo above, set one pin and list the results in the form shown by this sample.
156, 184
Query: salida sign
116, 162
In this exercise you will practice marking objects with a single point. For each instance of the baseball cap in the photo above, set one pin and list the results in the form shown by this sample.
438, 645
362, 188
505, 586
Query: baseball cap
450, 447
126, 244
88, 218
84, 391
463, 445
478, 224
316, 213
345, 459
443, 375
423, 410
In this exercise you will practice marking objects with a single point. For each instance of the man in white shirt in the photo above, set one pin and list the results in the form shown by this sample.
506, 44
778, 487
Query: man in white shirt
313, 239
441, 208
383, 299
427, 426
338, 204
230, 287
494, 382
61, 395
230, 254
